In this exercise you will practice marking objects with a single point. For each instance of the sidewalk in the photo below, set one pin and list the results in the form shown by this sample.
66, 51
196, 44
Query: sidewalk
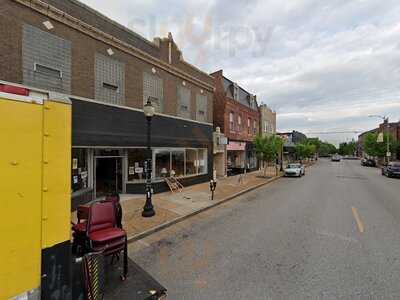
172, 208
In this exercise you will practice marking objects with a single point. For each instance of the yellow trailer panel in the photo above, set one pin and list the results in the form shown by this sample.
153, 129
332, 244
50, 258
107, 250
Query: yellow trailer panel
20, 185
35, 165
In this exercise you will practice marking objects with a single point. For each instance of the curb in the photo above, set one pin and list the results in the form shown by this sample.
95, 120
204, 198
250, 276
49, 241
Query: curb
167, 224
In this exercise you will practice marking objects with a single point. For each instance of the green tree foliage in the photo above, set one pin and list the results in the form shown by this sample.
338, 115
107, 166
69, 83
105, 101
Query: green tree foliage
322, 148
326, 149
268, 148
316, 142
305, 150
378, 149
347, 148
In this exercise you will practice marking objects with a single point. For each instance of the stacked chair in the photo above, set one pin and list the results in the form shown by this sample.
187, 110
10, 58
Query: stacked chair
99, 230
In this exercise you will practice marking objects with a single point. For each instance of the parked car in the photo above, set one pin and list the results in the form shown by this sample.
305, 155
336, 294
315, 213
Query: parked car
296, 169
367, 162
392, 169
336, 157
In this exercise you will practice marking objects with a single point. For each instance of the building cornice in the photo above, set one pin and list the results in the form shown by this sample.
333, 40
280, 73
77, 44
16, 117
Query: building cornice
60, 16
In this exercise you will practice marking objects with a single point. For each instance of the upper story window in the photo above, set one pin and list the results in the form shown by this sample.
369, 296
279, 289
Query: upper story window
46, 60
235, 91
109, 80
153, 89
184, 102
265, 126
201, 108
248, 125
231, 122
254, 127
239, 123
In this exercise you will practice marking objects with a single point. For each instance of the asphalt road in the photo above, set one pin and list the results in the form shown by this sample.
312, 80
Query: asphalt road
333, 234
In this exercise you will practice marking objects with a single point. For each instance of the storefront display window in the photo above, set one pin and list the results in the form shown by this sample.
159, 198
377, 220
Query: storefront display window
136, 159
191, 161
79, 169
162, 163
178, 163
202, 161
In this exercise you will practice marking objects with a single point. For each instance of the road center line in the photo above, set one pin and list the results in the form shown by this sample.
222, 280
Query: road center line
360, 224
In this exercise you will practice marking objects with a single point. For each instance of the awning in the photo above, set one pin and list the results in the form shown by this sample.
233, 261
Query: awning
236, 146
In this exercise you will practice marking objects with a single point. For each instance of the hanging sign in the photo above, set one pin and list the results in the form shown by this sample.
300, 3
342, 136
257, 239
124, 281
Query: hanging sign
74, 163
131, 170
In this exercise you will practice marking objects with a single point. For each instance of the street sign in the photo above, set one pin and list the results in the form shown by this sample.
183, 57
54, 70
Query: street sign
380, 138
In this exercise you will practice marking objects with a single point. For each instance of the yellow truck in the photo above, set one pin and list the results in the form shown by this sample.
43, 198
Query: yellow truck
35, 156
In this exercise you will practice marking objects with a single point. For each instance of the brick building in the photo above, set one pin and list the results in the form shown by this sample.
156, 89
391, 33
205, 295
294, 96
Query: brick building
360, 142
236, 114
267, 120
393, 128
109, 73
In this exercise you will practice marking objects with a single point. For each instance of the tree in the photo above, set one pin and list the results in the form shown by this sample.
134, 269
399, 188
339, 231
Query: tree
326, 149
347, 148
377, 149
316, 142
305, 150
301, 151
267, 149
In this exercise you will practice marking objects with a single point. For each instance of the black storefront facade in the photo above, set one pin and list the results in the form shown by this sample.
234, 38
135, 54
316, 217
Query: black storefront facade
109, 149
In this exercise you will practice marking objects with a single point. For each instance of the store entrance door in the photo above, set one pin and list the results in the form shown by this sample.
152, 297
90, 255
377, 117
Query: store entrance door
108, 175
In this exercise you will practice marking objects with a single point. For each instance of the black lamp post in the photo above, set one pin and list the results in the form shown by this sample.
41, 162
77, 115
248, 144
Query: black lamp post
148, 209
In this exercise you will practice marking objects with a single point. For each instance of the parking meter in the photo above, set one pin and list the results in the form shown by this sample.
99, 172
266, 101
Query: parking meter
213, 186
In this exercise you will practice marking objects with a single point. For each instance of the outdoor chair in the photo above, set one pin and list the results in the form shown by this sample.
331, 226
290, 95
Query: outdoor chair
103, 234
99, 230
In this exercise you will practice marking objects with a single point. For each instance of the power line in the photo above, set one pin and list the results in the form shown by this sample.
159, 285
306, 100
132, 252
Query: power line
335, 132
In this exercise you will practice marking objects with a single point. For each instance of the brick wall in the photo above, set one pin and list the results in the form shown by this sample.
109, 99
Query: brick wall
84, 49
269, 116
224, 105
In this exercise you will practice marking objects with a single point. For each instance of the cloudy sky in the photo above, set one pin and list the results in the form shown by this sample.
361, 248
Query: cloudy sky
323, 65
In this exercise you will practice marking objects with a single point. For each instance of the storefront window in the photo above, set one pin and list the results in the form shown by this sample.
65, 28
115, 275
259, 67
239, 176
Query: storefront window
163, 163
136, 159
191, 161
202, 161
79, 169
178, 163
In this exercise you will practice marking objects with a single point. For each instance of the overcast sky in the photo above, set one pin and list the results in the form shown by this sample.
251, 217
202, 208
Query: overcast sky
323, 65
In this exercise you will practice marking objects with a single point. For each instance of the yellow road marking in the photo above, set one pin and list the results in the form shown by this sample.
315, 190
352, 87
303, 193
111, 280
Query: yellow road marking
360, 224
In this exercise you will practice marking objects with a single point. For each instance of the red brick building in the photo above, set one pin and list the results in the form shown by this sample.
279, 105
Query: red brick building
393, 128
237, 114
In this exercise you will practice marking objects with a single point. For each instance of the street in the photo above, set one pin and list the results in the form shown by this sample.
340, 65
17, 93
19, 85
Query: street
332, 234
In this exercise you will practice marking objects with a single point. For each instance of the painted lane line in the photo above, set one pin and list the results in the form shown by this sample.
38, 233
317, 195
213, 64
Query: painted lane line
360, 224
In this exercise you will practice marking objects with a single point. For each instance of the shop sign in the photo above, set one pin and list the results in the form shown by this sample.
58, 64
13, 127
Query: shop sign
131, 171
74, 163
222, 140
236, 146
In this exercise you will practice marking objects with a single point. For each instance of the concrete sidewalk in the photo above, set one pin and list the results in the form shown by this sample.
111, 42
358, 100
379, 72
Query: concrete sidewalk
172, 208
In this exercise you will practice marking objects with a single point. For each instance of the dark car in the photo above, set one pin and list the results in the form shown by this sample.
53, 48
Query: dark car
392, 169
368, 162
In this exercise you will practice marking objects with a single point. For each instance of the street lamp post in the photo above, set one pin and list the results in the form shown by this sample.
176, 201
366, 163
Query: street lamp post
148, 209
282, 156
386, 122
